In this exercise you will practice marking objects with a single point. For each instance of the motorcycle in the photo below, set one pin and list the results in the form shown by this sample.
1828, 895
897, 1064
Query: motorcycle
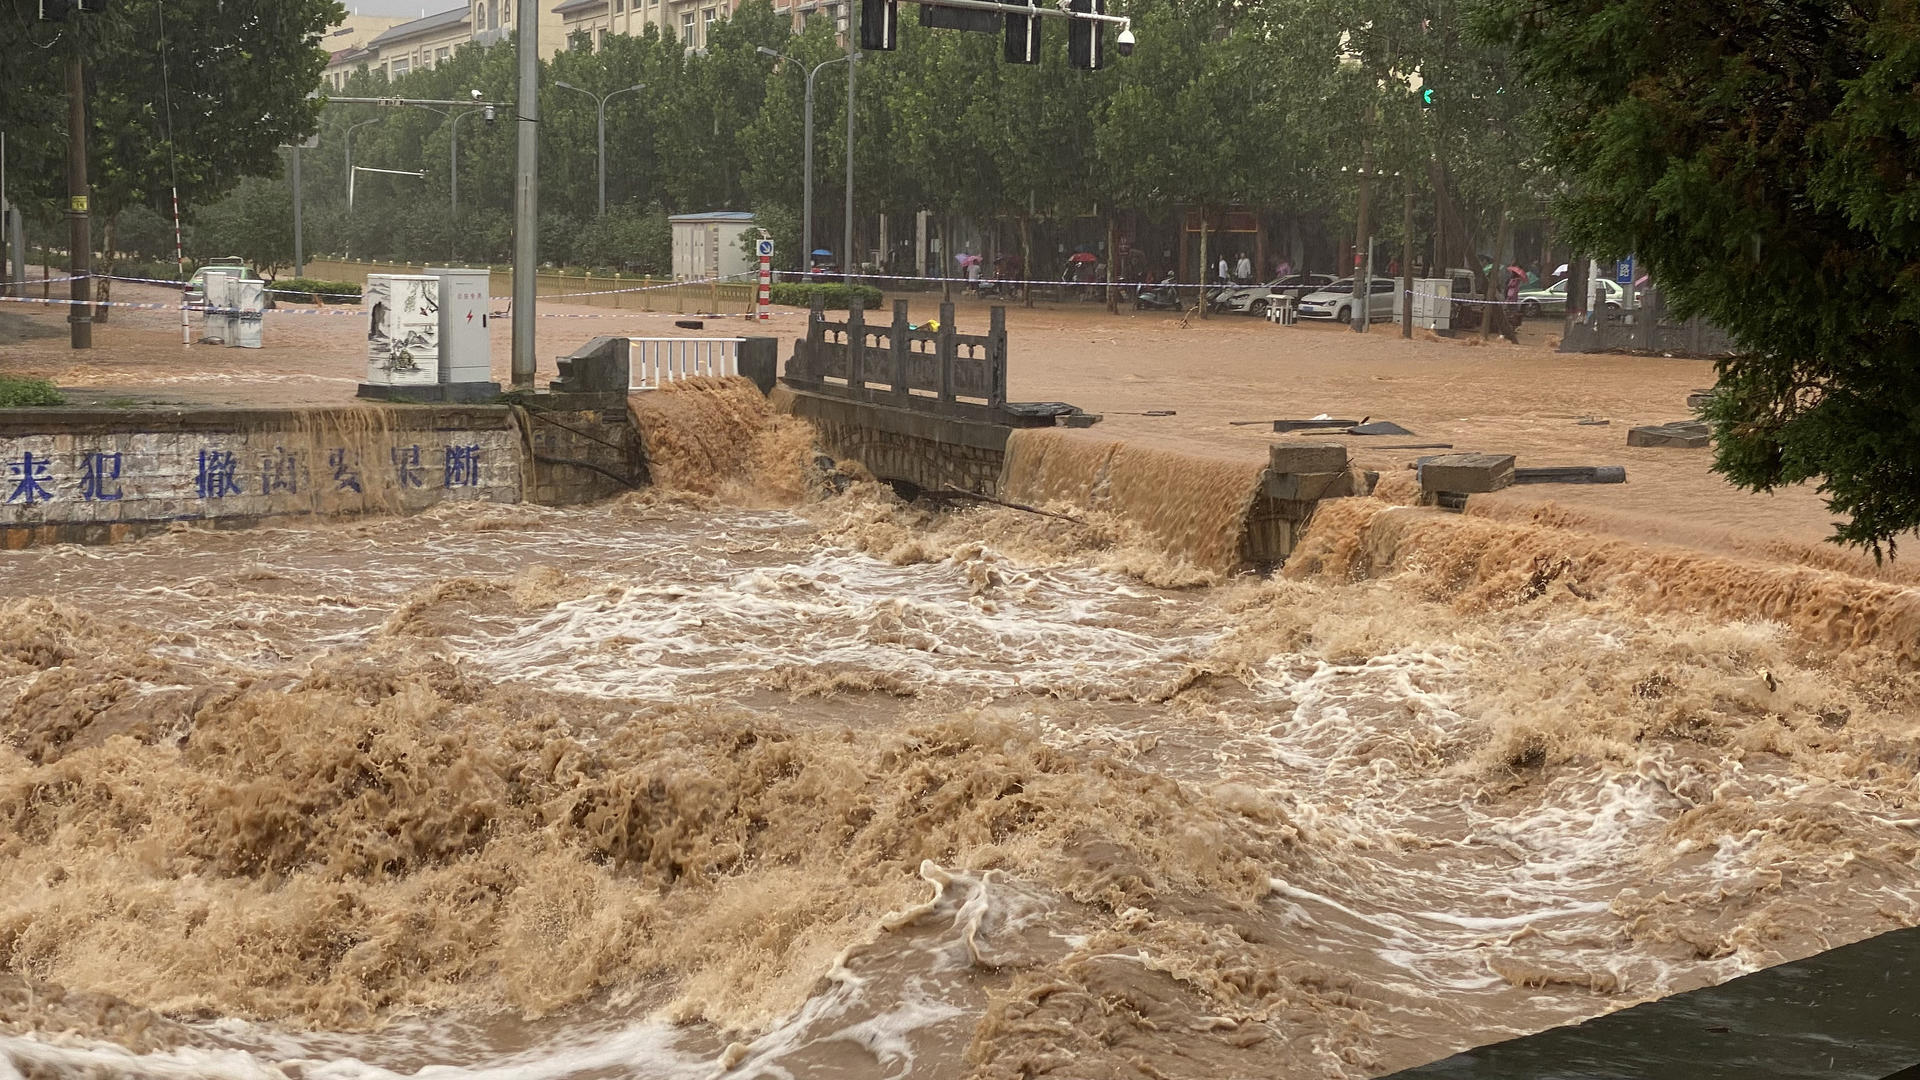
1164, 296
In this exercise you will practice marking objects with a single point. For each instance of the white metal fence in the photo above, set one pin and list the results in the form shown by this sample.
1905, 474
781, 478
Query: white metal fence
654, 362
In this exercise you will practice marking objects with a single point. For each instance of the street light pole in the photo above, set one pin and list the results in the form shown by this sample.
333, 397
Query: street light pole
351, 128
526, 203
806, 196
853, 61
600, 126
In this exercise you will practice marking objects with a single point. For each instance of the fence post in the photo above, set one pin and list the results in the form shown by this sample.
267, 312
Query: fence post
616, 290
856, 343
713, 296
945, 345
997, 356
897, 338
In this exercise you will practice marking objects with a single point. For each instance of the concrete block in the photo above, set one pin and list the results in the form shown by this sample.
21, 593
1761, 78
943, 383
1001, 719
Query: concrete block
1686, 435
1308, 486
1466, 473
1307, 457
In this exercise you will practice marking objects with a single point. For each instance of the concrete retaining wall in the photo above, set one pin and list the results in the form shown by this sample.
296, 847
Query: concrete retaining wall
102, 475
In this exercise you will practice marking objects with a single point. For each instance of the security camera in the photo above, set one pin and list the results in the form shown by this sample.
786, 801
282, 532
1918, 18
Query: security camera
475, 93
1125, 41
488, 113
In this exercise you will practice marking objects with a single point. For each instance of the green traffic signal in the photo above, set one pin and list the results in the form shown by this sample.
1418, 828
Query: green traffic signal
1426, 97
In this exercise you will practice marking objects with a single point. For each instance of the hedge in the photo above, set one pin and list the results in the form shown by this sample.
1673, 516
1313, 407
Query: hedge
835, 296
301, 290
17, 391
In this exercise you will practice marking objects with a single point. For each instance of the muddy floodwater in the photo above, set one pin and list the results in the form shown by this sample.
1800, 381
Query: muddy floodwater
819, 784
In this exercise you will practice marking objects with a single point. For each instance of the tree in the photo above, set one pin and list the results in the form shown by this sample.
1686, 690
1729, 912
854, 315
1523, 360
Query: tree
1761, 161
253, 222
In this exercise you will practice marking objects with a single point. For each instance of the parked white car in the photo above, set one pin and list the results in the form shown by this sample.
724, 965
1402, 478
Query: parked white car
1335, 301
1255, 299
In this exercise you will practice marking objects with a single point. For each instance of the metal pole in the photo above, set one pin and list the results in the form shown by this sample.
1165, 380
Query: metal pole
80, 235
453, 182
1406, 264
347, 247
806, 196
852, 62
526, 246
601, 125
299, 238
1361, 253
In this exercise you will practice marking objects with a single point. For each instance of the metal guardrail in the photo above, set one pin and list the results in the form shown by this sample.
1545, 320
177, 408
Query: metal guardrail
655, 362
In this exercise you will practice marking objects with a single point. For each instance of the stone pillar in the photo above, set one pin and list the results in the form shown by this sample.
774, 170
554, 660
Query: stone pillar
901, 354
856, 342
945, 348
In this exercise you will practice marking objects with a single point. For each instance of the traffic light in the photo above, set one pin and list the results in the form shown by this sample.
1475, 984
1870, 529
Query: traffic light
1426, 97
879, 24
1023, 39
1087, 38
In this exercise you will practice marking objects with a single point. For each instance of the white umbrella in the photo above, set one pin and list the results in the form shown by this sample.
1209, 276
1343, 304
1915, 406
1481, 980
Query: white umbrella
1561, 269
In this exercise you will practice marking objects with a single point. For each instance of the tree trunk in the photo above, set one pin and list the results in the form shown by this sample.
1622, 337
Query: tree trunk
1113, 306
1205, 264
1026, 256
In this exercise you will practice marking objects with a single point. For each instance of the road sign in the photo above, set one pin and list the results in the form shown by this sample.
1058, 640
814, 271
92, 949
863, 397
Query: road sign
1623, 272
764, 247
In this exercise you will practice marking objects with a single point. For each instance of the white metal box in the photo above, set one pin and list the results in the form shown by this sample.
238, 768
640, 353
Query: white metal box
250, 304
219, 297
1433, 303
403, 329
466, 351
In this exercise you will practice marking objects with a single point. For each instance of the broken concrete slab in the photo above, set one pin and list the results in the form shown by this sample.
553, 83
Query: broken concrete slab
1467, 474
1378, 427
1684, 434
1572, 474
1700, 399
1307, 457
1080, 419
1302, 487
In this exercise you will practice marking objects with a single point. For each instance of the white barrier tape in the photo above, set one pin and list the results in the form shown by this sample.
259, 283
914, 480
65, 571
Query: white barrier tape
36, 281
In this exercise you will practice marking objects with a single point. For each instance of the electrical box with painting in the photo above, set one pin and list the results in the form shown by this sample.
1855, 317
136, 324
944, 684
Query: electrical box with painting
403, 329
427, 336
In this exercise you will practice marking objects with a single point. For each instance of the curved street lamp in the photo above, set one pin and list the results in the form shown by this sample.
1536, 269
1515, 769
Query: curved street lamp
806, 210
600, 102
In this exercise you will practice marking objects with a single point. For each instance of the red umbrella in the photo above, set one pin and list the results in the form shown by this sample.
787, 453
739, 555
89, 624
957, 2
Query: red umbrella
1084, 257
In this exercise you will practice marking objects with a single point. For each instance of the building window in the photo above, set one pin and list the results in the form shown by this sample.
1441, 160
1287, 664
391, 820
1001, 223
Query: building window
440, 55
619, 6
506, 12
400, 67
706, 26
686, 28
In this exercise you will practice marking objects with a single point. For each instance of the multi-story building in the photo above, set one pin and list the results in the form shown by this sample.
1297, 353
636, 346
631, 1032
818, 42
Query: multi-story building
347, 45
586, 23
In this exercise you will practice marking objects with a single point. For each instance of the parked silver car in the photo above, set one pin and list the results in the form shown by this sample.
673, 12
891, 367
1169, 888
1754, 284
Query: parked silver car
1255, 299
1335, 301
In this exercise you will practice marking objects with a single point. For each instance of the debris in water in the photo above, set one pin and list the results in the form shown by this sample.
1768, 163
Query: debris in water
1572, 474
1593, 421
1316, 423
1685, 434
1378, 427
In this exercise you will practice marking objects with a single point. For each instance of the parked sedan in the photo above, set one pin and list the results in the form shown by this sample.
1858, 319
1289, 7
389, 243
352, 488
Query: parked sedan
1553, 298
1335, 301
1254, 299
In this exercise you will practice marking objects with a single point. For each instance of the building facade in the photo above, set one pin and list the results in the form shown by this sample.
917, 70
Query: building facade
586, 23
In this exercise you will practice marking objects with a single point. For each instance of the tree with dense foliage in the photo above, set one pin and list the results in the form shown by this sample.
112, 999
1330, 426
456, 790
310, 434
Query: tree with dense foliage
190, 93
1761, 160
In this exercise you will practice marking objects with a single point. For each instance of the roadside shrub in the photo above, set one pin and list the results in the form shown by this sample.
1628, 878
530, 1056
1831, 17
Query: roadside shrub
836, 296
21, 391
301, 290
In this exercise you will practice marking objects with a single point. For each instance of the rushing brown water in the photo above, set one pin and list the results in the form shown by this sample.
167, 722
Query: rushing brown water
680, 785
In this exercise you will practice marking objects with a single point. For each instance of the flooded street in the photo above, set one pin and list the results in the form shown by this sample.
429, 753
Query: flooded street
669, 787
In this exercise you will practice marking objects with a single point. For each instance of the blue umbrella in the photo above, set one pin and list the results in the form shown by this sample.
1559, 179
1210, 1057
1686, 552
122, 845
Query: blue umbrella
822, 253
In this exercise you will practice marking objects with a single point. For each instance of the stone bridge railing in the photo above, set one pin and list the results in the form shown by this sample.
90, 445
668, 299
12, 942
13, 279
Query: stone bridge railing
911, 367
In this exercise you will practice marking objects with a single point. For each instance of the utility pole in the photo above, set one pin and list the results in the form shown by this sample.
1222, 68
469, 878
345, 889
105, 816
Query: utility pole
80, 242
853, 61
1406, 264
299, 238
526, 204
1362, 254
